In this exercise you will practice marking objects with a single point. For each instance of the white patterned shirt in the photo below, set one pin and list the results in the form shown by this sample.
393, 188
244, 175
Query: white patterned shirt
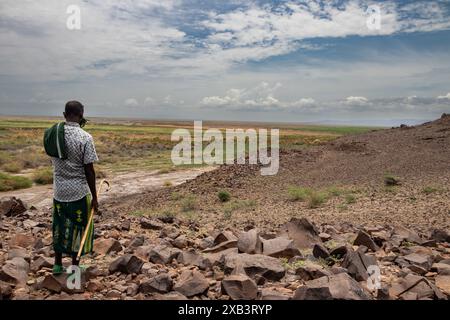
69, 179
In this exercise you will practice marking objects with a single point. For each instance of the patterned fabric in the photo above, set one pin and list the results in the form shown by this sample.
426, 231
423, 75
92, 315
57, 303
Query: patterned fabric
69, 179
69, 222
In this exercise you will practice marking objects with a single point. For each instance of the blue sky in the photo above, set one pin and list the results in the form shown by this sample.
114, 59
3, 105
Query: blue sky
261, 60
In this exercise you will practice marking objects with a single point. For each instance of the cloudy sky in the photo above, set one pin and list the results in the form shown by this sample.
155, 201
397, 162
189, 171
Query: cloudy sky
261, 60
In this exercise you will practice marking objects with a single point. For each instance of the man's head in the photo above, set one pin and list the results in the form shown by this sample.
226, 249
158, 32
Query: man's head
74, 111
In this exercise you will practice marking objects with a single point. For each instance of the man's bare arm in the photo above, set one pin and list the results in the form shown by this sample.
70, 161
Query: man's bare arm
89, 171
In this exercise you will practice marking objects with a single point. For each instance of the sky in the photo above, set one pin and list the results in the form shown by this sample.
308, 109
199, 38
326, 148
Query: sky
316, 61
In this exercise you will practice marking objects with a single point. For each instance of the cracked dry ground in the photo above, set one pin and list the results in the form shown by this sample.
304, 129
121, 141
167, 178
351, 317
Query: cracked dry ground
261, 244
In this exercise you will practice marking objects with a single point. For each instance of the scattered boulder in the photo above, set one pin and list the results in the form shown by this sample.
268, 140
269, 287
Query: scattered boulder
249, 242
280, 248
273, 294
401, 234
421, 260
126, 264
106, 246
136, 242
22, 240
302, 231
239, 287
180, 242
310, 271
63, 283
440, 235
15, 271
191, 283
320, 252
364, 239
441, 268
41, 262
413, 287
163, 254
222, 246
224, 236
255, 265
443, 283
162, 283
19, 253
12, 207
191, 258
151, 224
357, 262
5, 291
335, 287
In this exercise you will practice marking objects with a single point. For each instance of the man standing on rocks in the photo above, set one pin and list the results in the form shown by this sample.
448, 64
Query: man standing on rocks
73, 155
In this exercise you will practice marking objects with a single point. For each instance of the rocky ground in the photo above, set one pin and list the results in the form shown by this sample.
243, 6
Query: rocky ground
276, 249
167, 258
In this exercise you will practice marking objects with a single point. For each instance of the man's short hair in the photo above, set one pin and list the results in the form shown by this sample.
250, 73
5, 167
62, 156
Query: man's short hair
74, 108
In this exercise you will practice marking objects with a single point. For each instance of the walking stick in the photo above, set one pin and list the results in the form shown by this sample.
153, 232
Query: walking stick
90, 219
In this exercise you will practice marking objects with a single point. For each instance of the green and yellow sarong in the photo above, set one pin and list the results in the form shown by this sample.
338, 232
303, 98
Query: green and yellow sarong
69, 222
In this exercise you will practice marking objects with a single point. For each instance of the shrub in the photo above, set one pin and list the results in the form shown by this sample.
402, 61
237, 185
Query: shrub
430, 190
350, 199
390, 180
12, 167
298, 193
167, 183
189, 203
224, 196
9, 182
316, 199
43, 176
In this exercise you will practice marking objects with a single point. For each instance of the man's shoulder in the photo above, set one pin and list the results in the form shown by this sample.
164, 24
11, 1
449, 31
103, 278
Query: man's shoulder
82, 135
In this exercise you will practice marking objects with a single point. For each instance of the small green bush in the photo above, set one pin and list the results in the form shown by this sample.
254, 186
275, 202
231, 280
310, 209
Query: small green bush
224, 196
298, 193
43, 176
316, 199
9, 182
12, 167
189, 203
350, 199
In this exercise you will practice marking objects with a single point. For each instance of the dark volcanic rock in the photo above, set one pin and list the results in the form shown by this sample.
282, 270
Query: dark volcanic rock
126, 264
356, 262
191, 283
255, 265
303, 232
162, 283
239, 287
336, 287
280, 248
249, 242
364, 239
12, 207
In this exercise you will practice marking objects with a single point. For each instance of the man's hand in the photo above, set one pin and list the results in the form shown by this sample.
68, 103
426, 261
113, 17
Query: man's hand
94, 205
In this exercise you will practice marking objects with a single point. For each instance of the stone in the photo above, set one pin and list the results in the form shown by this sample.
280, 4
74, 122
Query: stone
324, 236
340, 251
421, 260
440, 235
441, 268
364, 239
415, 285
222, 246
401, 234
162, 283
12, 207
136, 242
205, 243
151, 224
191, 258
335, 287
125, 225
443, 283
41, 262
224, 236
107, 246
21, 240
357, 262
18, 252
60, 283
320, 252
191, 283
280, 248
272, 294
15, 271
249, 242
127, 263
162, 254
143, 252
180, 242
255, 265
239, 287
302, 231
215, 259
5, 291
94, 286
173, 295
311, 271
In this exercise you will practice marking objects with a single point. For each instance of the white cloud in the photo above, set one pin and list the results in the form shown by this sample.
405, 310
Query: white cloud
446, 97
131, 102
356, 101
